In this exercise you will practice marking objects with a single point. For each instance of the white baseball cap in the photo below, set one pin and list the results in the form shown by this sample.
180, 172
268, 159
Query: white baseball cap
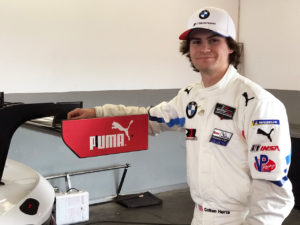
214, 19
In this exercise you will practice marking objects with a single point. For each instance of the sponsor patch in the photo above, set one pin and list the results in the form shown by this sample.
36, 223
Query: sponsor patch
220, 137
188, 90
268, 135
191, 109
256, 148
264, 122
247, 99
190, 134
224, 111
264, 164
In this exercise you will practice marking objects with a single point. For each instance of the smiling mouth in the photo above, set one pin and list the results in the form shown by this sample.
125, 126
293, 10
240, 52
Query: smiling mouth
205, 57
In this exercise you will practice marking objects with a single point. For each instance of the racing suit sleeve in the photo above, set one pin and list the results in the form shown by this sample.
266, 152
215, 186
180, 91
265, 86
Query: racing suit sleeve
162, 117
269, 150
108, 110
167, 115
119, 110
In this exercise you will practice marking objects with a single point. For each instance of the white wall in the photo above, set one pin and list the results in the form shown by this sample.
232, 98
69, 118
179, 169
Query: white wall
77, 45
270, 32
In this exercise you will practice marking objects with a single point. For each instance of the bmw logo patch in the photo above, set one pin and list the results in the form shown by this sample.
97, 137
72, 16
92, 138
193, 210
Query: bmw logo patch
204, 14
191, 109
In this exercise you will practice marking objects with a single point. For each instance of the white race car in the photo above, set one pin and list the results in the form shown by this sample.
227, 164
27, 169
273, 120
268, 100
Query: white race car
26, 198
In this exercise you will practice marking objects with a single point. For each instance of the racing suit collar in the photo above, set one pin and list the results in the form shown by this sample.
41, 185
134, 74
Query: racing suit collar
218, 87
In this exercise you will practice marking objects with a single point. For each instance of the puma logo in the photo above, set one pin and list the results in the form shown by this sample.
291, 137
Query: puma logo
188, 90
260, 131
118, 126
245, 94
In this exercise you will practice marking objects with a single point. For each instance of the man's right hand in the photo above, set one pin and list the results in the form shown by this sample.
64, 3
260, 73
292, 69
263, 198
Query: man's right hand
80, 113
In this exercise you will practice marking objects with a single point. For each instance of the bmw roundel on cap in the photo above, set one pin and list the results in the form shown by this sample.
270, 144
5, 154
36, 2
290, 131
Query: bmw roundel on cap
204, 14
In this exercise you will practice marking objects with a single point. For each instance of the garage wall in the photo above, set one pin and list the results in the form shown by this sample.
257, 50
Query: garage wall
86, 45
268, 29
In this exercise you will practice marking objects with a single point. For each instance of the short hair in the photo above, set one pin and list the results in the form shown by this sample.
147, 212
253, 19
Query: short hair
234, 57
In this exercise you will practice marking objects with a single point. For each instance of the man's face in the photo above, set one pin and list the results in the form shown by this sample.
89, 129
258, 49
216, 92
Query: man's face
209, 51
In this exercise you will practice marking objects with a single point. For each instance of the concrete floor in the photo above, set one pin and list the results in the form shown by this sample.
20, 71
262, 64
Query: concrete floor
177, 208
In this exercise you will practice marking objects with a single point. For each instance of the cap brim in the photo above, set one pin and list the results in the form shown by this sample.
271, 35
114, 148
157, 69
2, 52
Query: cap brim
185, 34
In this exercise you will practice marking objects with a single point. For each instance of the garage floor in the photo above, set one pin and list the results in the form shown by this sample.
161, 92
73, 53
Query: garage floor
177, 208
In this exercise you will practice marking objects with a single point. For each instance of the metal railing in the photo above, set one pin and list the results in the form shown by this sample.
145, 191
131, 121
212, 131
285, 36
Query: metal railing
67, 175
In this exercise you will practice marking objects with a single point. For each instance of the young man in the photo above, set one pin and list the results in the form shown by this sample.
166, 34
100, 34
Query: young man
238, 143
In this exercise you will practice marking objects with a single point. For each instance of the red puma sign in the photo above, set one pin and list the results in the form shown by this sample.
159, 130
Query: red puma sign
105, 136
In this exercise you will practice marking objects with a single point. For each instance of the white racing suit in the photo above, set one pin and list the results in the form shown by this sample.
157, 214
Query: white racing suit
238, 149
